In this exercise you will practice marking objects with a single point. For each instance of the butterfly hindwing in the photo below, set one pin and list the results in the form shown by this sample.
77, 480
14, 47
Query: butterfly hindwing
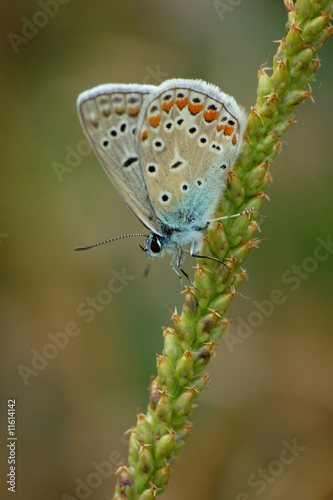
109, 118
189, 136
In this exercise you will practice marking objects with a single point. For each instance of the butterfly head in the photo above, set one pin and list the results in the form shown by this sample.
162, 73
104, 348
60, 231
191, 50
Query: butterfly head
154, 246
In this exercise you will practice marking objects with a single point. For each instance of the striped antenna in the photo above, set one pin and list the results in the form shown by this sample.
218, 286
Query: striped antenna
109, 241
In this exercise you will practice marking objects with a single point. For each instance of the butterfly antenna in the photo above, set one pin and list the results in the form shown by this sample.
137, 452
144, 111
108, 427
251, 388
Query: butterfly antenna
109, 241
246, 212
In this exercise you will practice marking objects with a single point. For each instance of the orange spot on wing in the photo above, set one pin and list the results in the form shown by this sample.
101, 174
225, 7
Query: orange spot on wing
220, 127
106, 112
154, 120
120, 110
234, 139
133, 111
182, 102
228, 130
144, 135
211, 115
195, 108
167, 105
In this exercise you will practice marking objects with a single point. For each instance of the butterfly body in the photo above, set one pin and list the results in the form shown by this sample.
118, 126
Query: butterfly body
167, 150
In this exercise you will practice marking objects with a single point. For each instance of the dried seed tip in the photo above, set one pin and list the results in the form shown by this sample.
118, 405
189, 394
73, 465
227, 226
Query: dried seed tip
239, 278
155, 394
191, 304
149, 494
162, 475
289, 5
208, 322
315, 64
268, 178
272, 99
253, 227
125, 483
203, 355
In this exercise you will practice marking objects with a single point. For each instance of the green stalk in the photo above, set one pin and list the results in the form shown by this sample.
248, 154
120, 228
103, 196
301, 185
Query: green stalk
161, 433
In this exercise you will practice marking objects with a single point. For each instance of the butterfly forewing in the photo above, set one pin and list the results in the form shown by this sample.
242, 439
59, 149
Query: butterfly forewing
189, 136
109, 118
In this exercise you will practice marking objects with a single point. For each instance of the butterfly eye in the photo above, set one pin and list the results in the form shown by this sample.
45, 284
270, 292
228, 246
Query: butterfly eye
155, 245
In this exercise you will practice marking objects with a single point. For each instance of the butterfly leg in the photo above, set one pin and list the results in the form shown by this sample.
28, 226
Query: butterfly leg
172, 264
175, 264
177, 260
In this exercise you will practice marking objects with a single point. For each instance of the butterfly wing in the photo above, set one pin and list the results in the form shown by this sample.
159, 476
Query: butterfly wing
109, 116
190, 134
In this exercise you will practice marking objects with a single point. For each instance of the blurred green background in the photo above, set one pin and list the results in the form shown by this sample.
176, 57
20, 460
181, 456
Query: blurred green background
272, 387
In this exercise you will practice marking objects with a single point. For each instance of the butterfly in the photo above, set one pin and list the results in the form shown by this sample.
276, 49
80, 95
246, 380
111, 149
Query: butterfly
167, 150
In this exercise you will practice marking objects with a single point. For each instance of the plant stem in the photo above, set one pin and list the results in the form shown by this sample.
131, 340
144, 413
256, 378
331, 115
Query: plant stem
161, 433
